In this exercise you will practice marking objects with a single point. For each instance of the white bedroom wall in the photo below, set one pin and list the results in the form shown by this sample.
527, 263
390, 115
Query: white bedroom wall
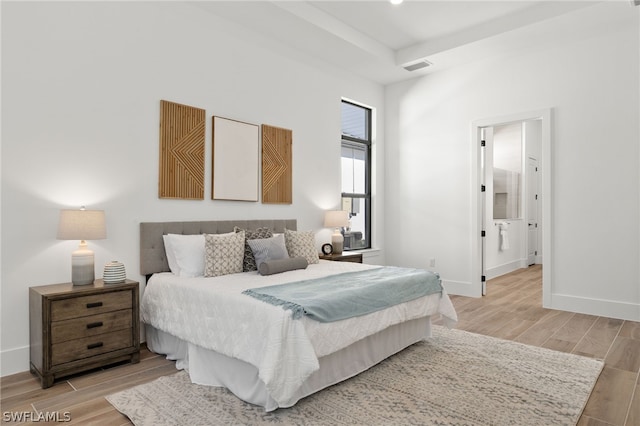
590, 77
81, 86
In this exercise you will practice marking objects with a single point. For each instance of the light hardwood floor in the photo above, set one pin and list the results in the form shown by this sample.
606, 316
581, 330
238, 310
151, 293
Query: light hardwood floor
511, 310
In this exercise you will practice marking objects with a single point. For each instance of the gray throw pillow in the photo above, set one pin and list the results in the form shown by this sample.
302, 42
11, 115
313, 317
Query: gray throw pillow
268, 249
277, 266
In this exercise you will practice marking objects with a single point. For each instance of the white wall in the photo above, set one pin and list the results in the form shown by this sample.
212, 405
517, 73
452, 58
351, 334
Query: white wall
81, 86
590, 77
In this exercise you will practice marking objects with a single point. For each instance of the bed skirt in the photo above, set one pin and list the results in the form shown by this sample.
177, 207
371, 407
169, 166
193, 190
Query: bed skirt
211, 368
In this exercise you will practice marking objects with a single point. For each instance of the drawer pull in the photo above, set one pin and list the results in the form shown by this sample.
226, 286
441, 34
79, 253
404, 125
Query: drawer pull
94, 324
95, 345
94, 305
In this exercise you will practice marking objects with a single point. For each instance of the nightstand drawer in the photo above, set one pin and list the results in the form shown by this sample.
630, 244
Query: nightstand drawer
354, 259
90, 346
78, 328
90, 305
343, 257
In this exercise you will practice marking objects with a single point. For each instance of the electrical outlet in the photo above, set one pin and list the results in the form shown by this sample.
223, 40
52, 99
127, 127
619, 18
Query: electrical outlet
432, 262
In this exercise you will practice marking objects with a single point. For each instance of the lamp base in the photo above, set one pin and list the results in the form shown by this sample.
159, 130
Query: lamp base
82, 267
337, 241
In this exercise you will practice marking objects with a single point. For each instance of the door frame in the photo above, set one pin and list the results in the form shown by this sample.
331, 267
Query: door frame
531, 171
477, 225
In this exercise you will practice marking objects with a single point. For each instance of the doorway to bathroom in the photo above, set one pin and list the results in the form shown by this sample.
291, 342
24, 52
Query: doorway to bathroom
509, 207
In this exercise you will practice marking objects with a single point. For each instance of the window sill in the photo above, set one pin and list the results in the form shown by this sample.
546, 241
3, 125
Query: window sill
363, 251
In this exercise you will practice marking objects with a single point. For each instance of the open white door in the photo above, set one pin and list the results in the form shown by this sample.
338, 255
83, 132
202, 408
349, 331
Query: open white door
486, 153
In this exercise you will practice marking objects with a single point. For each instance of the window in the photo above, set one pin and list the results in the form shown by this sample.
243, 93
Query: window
356, 174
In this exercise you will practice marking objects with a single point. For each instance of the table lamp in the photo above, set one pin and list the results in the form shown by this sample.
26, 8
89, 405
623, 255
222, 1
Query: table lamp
336, 219
82, 225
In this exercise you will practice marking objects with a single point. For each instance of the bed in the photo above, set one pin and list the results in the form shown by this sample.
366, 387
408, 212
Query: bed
259, 351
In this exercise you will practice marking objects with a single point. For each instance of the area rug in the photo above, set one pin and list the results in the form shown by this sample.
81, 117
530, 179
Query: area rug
453, 378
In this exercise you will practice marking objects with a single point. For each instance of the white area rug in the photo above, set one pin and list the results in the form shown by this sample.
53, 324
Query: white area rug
454, 378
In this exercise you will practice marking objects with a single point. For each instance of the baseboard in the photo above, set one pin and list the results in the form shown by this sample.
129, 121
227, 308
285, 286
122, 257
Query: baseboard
461, 288
14, 361
505, 268
599, 307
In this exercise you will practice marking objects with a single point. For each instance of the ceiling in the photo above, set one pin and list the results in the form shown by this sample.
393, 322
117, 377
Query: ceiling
376, 39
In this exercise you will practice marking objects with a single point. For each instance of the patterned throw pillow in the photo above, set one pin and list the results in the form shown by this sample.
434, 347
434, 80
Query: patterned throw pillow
249, 261
223, 254
301, 244
268, 249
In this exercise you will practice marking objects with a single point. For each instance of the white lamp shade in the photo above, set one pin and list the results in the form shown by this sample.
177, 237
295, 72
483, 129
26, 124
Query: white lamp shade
336, 219
82, 225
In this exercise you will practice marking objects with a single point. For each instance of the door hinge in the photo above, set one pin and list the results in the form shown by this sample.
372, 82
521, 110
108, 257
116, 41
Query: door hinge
483, 234
483, 143
482, 188
536, 196
535, 252
483, 278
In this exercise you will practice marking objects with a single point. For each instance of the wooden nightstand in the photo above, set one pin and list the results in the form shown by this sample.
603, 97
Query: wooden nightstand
78, 328
344, 257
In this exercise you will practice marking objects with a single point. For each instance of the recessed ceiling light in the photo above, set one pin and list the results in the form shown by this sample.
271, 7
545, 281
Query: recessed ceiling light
396, 1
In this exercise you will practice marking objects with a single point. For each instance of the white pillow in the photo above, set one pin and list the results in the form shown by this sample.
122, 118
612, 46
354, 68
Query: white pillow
268, 249
187, 252
171, 257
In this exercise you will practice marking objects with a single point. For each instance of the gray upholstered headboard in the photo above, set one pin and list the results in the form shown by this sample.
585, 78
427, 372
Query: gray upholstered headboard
152, 255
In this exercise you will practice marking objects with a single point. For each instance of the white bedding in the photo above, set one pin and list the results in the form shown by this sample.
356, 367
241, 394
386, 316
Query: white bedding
212, 313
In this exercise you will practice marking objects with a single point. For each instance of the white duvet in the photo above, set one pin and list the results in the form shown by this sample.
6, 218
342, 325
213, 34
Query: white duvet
212, 313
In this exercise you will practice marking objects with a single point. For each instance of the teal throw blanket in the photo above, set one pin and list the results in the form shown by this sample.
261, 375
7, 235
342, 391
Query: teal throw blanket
350, 294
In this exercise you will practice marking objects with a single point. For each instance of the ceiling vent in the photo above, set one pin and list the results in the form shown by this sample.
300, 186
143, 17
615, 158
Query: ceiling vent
419, 65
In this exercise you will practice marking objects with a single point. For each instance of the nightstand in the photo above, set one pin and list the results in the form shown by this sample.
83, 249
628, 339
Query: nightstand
78, 328
344, 257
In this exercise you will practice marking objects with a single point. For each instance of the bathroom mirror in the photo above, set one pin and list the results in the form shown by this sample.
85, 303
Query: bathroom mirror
507, 171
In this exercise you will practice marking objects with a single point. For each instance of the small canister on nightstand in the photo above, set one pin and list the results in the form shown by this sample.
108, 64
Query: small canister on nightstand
114, 273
